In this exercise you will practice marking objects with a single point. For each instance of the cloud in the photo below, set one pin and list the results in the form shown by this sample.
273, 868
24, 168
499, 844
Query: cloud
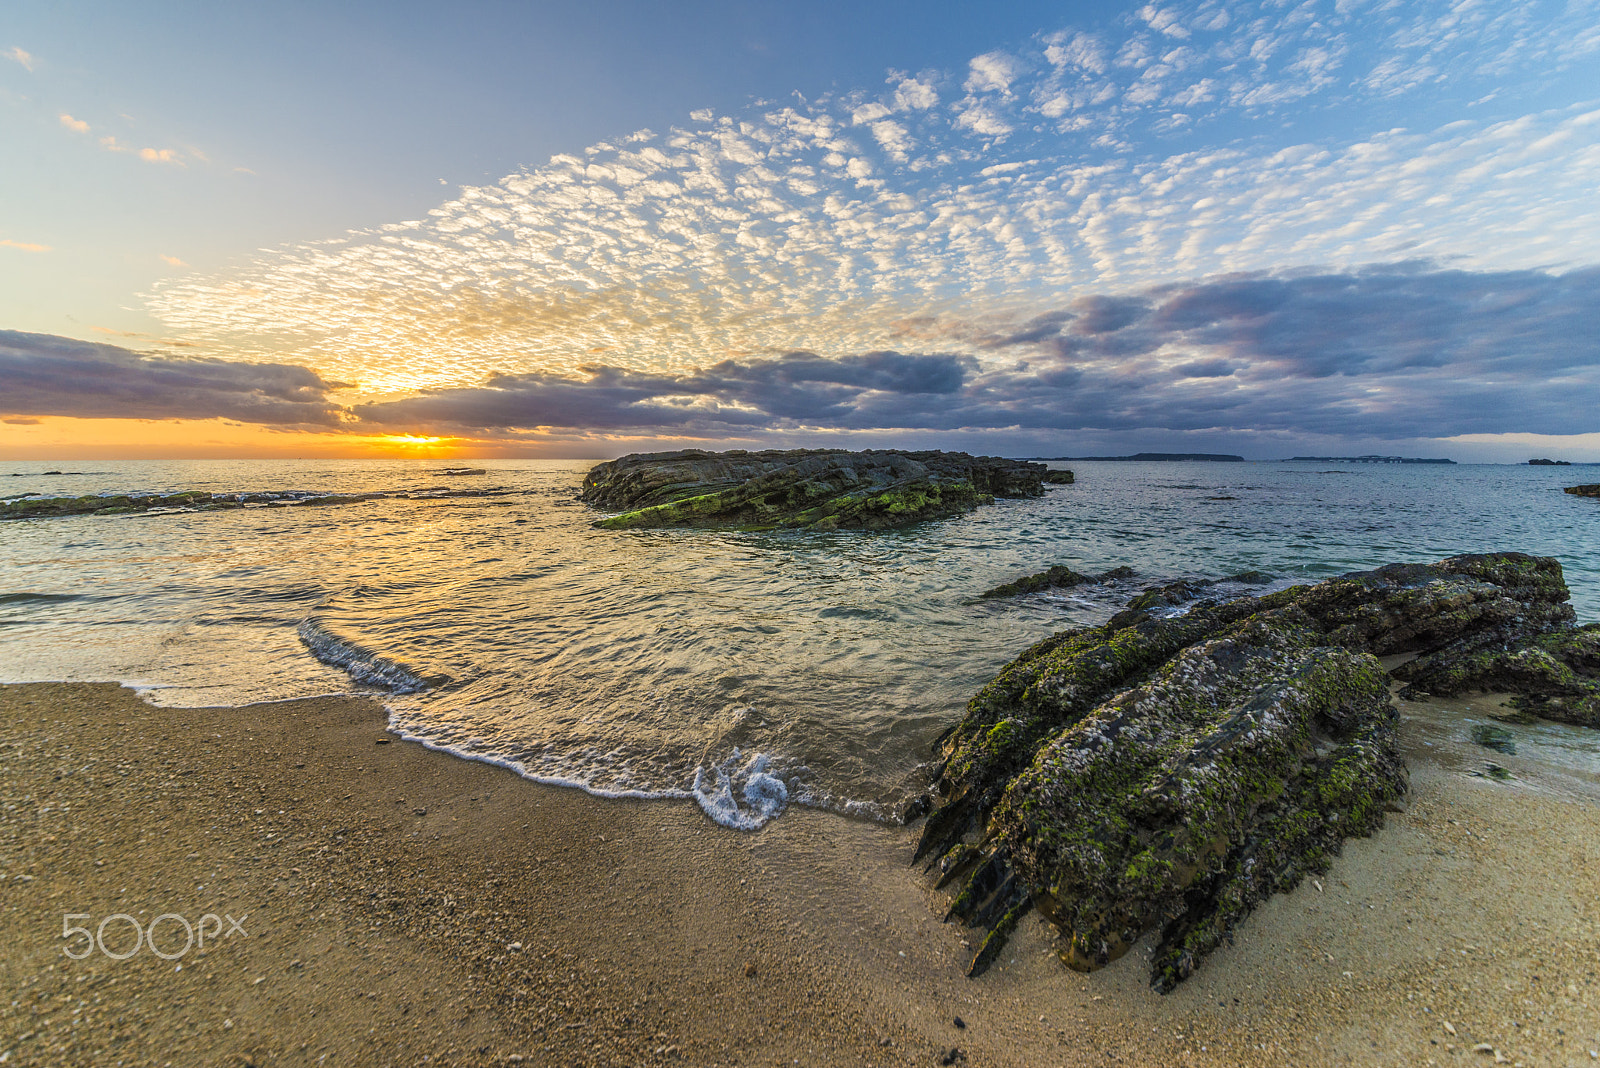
171, 261
45, 375
992, 72
1056, 175
23, 245
27, 60
798, 388
76, 125
1393, 353
149, 155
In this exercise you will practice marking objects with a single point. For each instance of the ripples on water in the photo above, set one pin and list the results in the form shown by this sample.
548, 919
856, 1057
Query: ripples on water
747, 670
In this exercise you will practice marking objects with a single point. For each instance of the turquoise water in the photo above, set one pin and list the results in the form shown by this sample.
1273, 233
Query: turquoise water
747, 671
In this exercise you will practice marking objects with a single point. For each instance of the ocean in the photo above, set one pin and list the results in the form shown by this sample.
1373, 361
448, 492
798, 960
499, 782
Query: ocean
747, 672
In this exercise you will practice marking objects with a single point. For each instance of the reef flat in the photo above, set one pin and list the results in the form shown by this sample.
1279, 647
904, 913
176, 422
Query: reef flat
31, 506
1169, 774
815, 489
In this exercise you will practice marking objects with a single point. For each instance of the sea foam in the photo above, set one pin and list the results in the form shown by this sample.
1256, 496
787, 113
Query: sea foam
361, 664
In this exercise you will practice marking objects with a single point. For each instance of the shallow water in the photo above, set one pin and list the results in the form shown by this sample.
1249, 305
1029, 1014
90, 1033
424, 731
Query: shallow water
747, 670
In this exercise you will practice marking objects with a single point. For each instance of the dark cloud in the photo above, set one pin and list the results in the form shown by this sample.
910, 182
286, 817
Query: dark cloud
41, 374
799, 387
1394, 353
1390, 353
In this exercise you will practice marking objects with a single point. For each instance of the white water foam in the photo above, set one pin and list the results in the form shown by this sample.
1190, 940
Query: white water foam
765, 795
362, 665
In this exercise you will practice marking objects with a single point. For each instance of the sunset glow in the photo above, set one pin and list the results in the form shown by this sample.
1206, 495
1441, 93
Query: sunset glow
1193, 225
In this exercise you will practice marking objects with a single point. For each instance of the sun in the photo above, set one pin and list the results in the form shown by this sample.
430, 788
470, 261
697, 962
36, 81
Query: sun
414, 445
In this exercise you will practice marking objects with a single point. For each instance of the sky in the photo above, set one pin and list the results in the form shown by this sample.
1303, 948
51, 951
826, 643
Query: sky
1264, 228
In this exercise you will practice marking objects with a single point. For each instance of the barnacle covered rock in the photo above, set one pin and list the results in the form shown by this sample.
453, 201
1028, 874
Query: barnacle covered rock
1168, 774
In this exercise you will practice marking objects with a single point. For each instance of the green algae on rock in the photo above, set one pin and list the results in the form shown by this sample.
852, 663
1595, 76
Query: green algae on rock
816, 489
35, 507
1168, 774
1490, 736
1058, 576
1554, 676
1584, 491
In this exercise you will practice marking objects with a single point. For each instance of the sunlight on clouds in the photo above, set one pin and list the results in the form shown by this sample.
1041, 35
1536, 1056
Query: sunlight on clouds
828, 227
75, 125
17, 55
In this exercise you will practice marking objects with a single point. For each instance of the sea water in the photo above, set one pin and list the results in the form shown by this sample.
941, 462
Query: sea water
745, 671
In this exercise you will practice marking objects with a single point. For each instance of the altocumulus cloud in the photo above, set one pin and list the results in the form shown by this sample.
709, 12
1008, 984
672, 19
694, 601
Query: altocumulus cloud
42, 375
1167, 145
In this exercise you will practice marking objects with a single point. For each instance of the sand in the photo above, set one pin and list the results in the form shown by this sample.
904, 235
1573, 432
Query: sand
401, 906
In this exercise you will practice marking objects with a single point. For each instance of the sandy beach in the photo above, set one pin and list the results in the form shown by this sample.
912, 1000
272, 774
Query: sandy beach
395, 905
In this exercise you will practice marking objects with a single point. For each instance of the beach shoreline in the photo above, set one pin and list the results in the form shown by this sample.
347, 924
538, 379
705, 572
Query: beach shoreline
400, 903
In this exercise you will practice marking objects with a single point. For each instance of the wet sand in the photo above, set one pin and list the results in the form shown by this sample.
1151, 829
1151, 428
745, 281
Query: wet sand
401, 906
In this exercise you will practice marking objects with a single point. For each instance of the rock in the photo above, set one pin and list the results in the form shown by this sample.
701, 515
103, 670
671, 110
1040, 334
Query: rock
1169, 774
464, 471
1585, 491
1058, 576
1546, 462
1181, 592
195, 501
818, 489
1555, 675
1491, 737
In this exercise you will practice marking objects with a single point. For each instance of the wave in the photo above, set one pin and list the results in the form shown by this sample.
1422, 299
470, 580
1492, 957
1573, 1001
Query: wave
362, 665
43, 598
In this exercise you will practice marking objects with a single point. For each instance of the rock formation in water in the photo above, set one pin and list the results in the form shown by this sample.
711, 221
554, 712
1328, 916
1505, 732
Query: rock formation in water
35, 507
1584, 491
1058, 576
1168, 774
817, 489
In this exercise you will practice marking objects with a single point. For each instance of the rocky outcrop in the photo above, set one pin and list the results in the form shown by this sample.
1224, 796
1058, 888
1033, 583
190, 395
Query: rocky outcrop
1584, 491
34, 507
818, 489
1554, 676
1182, 592
1058, 576
1168, 774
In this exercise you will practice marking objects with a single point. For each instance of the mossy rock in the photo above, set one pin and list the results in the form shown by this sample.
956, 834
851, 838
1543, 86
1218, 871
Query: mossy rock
1168, 774
814, 489
1057, 576
1554, 675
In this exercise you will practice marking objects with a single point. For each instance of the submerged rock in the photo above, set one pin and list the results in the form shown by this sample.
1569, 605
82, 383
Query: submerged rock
1058, 576
1182, 592
33, 507
1499, 739
819, 489
1169, 774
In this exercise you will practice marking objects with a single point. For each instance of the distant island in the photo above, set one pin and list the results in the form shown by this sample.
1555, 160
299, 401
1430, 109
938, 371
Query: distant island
1550, 463
1363, 460
1216, 457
